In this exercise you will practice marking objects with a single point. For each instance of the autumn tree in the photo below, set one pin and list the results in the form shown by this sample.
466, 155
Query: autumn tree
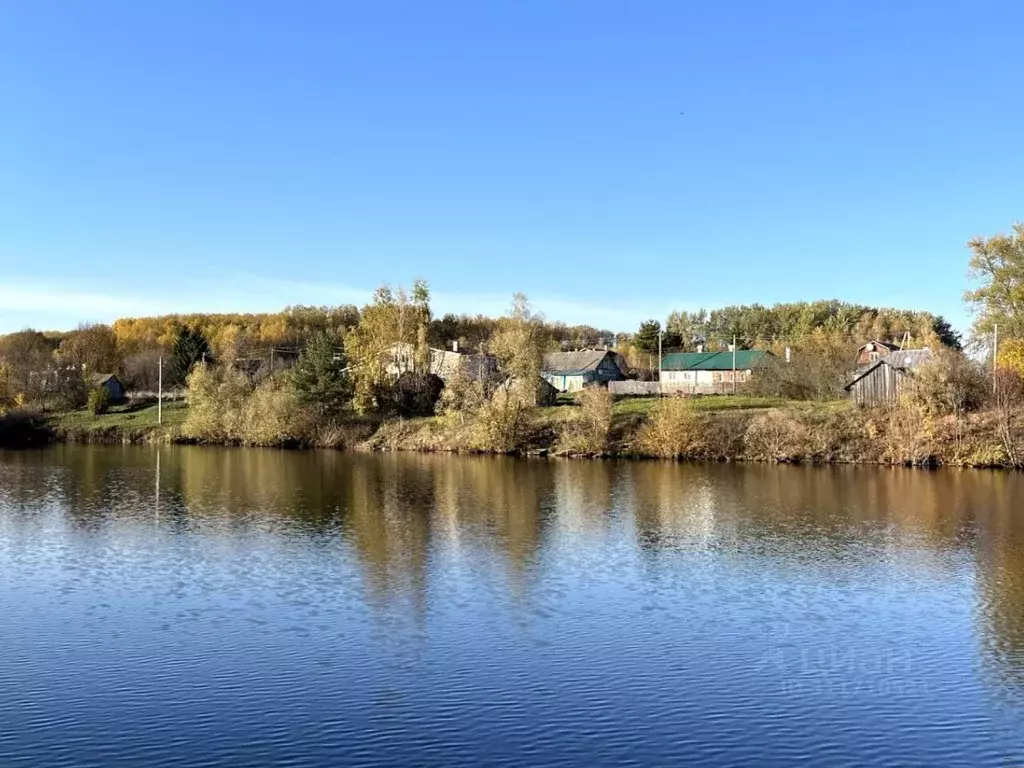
1011, 356
818, 368
391, 339
997, 264
519, 344
950, 383
92, 347
26, 357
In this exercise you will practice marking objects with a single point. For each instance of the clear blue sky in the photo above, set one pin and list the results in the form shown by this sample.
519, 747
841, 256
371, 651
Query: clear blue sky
203, 155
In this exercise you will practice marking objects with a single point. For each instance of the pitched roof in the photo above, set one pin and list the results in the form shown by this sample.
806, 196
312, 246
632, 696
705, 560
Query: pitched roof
903, 361
909, 358
99, 379
570, 363
887, 344
712, 361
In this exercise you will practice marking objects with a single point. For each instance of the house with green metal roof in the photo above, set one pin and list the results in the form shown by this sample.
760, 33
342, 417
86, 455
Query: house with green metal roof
710, 369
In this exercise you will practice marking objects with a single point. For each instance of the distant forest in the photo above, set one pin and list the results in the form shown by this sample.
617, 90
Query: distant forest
131, 347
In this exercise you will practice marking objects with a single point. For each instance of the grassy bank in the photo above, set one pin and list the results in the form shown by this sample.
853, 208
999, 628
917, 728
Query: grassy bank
724, 428
737, 429
121, 424
544, 429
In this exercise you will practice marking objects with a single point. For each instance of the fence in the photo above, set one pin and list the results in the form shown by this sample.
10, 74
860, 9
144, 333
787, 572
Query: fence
143, 394
631, 388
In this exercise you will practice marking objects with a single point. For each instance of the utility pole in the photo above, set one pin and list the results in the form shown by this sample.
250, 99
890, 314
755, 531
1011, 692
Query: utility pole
160, 390
995, 356
660, 390
734, 364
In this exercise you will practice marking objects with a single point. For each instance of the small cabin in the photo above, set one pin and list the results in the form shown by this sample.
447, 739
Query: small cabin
572, 371
109, 382
885, 381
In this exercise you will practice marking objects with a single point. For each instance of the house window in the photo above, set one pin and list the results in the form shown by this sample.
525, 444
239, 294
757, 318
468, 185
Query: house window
872, 356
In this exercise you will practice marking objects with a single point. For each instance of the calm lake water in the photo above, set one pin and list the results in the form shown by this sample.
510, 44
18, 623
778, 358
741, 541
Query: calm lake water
237, 607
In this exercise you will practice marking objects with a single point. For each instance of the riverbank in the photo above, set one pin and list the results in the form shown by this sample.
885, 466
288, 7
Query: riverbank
26, 428
121, 425
727, 428
731, 428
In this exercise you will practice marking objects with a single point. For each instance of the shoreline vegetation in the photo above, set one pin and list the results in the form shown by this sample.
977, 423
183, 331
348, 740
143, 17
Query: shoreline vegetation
715, 428
392, 376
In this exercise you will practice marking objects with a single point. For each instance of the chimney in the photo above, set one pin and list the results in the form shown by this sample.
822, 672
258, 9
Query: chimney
732, 347
789, 355
700, 348
455, 345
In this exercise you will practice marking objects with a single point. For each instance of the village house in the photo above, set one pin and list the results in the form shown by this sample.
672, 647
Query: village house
875, 350
447, 363
443, 363
572, 371
708, 372
884, 381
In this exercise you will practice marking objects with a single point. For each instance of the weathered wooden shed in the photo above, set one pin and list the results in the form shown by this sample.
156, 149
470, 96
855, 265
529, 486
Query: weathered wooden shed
109, 382
884, 381
571, 371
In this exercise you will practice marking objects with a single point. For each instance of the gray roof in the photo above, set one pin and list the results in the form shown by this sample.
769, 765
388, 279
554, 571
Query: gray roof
908, 358
99, 379
887, 344
905, 360
568, 363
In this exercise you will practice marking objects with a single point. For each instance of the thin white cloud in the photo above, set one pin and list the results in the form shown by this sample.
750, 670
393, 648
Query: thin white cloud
60, 302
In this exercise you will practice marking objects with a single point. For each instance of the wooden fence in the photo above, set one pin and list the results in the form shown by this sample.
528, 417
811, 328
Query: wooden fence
631, 388
169, 394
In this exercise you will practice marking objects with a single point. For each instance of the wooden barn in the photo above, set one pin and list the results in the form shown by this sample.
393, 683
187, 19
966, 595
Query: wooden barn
572, 371
884, 381
109, 382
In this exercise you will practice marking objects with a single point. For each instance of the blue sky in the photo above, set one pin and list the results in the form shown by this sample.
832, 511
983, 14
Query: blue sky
247, 155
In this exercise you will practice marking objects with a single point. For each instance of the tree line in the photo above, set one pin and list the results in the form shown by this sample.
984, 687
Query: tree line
820, 335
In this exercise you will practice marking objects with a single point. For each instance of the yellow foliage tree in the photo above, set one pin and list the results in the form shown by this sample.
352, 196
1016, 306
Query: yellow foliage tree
394, 318
1011, 356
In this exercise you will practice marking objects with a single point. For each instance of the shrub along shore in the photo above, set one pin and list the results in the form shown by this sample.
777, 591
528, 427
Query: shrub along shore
725, 428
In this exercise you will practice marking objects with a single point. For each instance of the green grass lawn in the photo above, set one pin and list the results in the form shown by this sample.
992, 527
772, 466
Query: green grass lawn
122, 417
643, 405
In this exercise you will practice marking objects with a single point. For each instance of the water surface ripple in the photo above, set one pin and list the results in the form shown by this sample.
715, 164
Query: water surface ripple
207, 607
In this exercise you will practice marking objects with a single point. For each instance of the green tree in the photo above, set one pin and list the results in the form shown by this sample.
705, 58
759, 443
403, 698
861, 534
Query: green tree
758, 326
646, 338
99, 401
190, 348
321, 377
997, 263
